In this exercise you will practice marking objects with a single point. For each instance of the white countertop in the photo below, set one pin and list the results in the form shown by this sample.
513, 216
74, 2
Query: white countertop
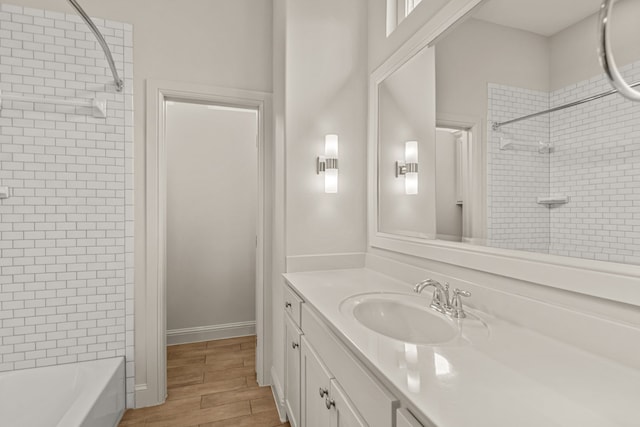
513, 377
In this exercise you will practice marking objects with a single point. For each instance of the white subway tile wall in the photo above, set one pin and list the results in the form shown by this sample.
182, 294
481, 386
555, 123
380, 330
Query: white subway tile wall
595, 160
66, 234
597, 163
519, 173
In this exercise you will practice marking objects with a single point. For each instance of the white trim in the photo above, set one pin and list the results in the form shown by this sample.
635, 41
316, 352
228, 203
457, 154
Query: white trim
617, 282
153, 318
211, 332
319, 262
141, 391
278, 395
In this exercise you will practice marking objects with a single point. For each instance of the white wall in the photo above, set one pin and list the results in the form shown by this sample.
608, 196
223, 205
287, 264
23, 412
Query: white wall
326, 92
211, 215
320, 87
476, 53
66, 235
213, 42
400, 213
407, 113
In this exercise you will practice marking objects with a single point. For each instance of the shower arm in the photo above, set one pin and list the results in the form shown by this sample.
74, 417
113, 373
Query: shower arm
107, 52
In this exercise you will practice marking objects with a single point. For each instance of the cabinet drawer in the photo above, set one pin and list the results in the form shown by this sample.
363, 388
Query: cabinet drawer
292, 303
374, 402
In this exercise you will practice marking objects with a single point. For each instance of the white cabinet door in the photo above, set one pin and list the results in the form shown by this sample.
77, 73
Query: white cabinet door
405, 419
292, 371
343, 413
316, 386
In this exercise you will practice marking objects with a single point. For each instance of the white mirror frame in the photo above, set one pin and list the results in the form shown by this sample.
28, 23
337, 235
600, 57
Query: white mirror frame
612, 281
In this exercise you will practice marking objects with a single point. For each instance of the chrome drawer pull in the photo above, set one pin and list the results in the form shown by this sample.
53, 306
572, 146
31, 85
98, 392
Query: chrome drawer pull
295, 345
323, 392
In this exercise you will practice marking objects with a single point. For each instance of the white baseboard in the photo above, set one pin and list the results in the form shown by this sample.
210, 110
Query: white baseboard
120, 417
278, 395
319, 262
212, 332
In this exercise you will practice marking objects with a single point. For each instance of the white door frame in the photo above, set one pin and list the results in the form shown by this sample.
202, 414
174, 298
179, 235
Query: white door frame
152, 389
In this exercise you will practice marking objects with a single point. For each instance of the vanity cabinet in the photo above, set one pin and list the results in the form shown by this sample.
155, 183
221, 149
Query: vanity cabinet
324, 403
325, 385
344, 414
293, 337
315, 388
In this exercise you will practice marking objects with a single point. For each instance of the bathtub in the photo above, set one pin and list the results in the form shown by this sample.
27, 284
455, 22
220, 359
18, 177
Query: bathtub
85, 394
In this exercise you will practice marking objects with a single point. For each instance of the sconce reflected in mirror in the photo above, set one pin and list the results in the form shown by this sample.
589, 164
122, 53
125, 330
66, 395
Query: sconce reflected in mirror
409, 167
329, 164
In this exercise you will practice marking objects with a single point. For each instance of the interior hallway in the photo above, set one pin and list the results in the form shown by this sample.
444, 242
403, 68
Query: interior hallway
210, 384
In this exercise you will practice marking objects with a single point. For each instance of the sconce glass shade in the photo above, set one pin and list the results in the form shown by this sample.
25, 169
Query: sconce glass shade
331, 168
411, 177
331, 146
331, 181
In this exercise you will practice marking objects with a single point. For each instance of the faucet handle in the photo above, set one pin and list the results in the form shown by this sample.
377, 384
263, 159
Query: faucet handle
457, 291
455, 305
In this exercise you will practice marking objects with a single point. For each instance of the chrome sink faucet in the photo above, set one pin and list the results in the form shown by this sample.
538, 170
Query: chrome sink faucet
441, 302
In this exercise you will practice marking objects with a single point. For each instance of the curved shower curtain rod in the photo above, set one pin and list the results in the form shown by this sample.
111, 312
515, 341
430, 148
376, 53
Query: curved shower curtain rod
118, 81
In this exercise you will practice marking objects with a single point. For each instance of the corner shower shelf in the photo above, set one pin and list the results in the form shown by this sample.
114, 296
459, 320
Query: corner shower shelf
550, 201
97, 106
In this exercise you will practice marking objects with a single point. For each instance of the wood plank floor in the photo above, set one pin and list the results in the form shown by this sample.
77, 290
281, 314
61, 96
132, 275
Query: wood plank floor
210, 384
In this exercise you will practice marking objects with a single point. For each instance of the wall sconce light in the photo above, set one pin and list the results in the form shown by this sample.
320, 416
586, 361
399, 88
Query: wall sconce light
329, 164
409, 168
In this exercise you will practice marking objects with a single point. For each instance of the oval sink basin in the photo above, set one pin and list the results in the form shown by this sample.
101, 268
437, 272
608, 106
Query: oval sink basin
403, 317
404, 322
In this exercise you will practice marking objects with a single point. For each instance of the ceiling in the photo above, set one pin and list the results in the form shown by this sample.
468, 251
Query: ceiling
544, 17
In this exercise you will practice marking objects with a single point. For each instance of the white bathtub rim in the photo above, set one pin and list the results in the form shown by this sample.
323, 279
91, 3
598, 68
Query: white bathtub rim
98, 374
84, 403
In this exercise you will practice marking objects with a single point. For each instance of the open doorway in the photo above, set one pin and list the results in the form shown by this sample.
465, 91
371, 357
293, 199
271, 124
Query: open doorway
460, 180
212, 168
226, 164
451, 173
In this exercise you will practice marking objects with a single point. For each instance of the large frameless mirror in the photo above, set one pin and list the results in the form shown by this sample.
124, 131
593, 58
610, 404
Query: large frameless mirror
494, 166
